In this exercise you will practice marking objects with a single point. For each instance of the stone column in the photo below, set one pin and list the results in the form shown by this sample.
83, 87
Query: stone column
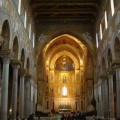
34, 104
117, 69
4, 92
1, 40
111, 94
31, 97
16, 66
36, 96
21, 107
28, 77
0, 85
105, 95
102, 95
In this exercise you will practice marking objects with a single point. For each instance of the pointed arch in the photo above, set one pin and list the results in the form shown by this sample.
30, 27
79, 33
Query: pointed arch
15, 48
22, 58
5, 33
28, 64
67, 53
117, 49
109, 57
103, 65
77, 38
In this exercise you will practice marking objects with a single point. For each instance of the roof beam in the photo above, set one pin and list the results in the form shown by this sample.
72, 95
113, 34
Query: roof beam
75, 19
65, 9
59, 3
63, 18
64, 12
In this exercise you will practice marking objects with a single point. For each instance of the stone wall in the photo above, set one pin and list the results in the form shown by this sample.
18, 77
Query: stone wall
104, 86
8, 11
47, 32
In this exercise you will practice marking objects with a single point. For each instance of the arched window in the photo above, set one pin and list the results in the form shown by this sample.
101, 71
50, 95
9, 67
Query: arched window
33, 40
106, 24
96, 40
100, 31
30, 31
112, 7
64, 91
25, 20
19, 6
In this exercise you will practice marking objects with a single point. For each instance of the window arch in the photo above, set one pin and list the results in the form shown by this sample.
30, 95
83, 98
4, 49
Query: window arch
64, 91
25, 20
106, 24
33, 43
19, 6
96, 40
30, 31
112, 7
100, 31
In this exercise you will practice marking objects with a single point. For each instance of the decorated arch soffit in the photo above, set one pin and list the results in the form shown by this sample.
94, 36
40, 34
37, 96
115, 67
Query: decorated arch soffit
77, 39
77, 53
64, 53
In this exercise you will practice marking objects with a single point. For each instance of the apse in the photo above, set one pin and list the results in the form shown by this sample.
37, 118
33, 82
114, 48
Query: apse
61, 73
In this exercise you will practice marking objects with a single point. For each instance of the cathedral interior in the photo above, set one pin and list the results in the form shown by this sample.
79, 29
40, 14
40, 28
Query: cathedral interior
59, 56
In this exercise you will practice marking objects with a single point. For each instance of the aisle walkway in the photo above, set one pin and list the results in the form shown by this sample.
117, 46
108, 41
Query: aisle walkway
47, 118
87, 118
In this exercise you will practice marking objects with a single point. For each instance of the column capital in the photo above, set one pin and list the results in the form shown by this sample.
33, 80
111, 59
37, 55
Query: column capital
103, 76
15, 63
116, 64
6, 54
110, 70
22, 72
28, 76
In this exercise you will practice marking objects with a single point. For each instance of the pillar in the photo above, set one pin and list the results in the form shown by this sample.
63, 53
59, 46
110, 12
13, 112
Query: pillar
36, 96
28, 77
105, 96
21, 100
34, 99
16, 66
117, 68
4, 91
111, 94
31, 96
0, 97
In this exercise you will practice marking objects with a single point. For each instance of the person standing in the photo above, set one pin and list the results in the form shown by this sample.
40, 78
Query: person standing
59, 117
39, 117
63, 117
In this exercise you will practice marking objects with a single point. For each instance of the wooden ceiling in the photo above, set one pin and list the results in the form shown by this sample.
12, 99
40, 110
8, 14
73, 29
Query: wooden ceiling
65, 10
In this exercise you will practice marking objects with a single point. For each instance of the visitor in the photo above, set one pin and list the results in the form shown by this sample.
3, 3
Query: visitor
83, 117
72, 117
76, 117
39, 117
79, 116
69, 117
66, 118
63, 117
59, 117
